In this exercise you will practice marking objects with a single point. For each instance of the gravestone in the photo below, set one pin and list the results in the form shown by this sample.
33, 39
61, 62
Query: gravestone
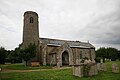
98, 66
101, 67
115, 68
101, 60
104, 67
78, 69
93, 69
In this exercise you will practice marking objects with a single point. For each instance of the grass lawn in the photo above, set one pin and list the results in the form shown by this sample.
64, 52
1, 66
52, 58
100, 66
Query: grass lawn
20, 66
64, 74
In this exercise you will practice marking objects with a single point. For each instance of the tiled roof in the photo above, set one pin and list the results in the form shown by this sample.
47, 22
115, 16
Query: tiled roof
57, 42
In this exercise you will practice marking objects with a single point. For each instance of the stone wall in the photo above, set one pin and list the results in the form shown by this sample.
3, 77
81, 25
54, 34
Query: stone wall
74, 53
51, 55
79, 53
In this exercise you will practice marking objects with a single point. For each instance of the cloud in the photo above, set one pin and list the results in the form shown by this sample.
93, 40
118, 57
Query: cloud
94, 20
104, 29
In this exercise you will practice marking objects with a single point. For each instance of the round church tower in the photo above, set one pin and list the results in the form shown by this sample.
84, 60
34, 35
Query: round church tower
30, 28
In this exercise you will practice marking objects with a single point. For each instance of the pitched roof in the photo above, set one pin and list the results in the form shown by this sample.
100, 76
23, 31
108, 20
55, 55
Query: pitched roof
57, 42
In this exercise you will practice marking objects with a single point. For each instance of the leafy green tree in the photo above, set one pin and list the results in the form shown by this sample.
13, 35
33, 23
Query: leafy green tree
11, 56
109, 53
119, 55
28, 53
17, 52
101, 53
112, 53
7, 56
14, 56
2, 55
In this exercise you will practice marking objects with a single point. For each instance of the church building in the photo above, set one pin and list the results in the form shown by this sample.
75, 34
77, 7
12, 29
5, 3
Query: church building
54, 51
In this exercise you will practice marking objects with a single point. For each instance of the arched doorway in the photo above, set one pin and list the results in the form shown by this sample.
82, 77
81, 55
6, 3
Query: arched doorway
65, 58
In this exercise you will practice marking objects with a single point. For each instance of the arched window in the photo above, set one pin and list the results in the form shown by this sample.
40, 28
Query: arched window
31, 19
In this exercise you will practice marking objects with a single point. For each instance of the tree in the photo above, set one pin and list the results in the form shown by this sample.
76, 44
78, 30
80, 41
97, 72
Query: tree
2, 55
28, 53
112, 53
119, 55
101, 53
109, 53
15, 56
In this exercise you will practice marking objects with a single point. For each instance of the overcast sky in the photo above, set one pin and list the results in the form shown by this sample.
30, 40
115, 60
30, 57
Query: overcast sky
95, 20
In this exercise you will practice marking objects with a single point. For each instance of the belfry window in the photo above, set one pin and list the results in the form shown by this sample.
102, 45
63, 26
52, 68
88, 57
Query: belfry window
31, 19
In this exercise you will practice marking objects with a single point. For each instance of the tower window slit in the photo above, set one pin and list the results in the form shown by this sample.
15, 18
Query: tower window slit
31, 19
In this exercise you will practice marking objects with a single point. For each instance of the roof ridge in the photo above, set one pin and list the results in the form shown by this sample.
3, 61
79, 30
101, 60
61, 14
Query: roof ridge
55, 39
62, 40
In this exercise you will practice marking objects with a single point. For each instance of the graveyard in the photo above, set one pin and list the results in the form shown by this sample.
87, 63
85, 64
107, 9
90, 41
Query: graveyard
12, 72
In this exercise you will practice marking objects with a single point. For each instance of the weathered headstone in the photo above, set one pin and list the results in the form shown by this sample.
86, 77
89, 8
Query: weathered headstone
115, 68
93, 68
101, 60
77, 70
98, 66
80, 69
101, 67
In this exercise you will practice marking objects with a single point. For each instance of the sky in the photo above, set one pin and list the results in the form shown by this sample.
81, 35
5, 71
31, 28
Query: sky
96, 21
